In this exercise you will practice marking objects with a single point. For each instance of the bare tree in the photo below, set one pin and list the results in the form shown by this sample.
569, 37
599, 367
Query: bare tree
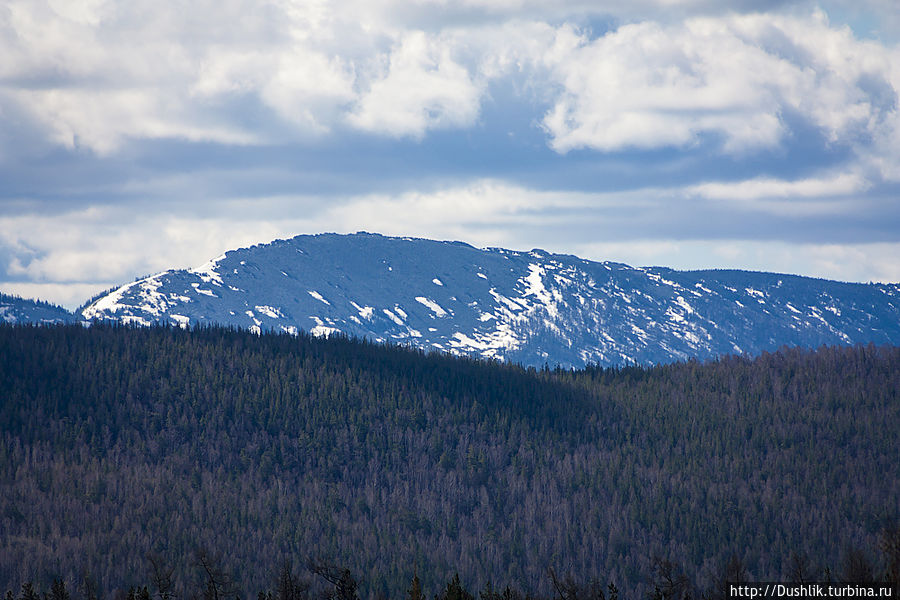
800, 569
569, 589
162, 575
219, 584
669, 581
345, 586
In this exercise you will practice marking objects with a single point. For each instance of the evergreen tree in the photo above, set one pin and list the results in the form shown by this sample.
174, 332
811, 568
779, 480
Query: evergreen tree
415, 589
28, 592
58, 590
455, 591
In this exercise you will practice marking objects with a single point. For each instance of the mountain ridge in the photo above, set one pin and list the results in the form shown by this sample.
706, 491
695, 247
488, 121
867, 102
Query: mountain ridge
530, 307
15, 309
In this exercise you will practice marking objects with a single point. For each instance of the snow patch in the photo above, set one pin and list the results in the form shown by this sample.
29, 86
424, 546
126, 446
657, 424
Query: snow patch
659, 279
680, 301
272, 313
197, 289
366, 312
392, 317
207, 272
432, 305
511, 304
489, 345
109, 302
318, 296
674, 316
322, 330
535, 287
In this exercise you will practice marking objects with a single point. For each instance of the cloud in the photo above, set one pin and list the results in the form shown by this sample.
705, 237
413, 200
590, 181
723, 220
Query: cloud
102, 244
97, 75
423, 88
734, 78
100, 74
764, 187
102, 120
861, 262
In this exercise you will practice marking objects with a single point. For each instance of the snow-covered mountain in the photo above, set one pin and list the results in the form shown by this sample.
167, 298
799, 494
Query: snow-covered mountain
14, 309
532, 307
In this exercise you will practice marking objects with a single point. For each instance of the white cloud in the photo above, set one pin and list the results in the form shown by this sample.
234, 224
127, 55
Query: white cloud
102, 244
103, 120
842, 262
649, 85
765, 187
309, 89
423, 88
482, 212
96, 73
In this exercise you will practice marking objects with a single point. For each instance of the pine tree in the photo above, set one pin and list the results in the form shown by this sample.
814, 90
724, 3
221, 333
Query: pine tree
455, 591
28, 592
58, 590
415, 590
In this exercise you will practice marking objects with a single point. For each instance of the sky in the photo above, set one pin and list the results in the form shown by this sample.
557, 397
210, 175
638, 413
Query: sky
142, 135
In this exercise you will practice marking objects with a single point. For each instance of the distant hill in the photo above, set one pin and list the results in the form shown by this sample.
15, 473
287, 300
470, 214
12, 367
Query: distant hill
532, 308
14, 309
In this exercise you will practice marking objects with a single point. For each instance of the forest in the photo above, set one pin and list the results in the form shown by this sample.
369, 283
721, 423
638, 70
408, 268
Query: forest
224, 464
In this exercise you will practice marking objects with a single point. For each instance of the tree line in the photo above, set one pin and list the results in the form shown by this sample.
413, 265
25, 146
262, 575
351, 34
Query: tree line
327, 581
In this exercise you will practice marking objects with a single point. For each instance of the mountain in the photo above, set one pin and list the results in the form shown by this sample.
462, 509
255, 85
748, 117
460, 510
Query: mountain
533, 308
14, 309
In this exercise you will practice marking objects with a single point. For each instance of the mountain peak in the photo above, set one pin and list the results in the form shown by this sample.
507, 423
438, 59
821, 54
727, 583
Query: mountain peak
531, 307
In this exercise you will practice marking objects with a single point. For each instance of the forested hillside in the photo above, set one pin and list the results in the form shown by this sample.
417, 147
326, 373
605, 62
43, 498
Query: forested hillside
120, 442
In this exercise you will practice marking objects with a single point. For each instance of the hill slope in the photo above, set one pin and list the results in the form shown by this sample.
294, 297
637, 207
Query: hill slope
14, 309
527, 307
121, 441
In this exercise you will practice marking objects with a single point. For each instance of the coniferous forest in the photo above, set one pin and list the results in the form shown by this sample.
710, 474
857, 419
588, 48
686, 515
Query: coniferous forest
216, 463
